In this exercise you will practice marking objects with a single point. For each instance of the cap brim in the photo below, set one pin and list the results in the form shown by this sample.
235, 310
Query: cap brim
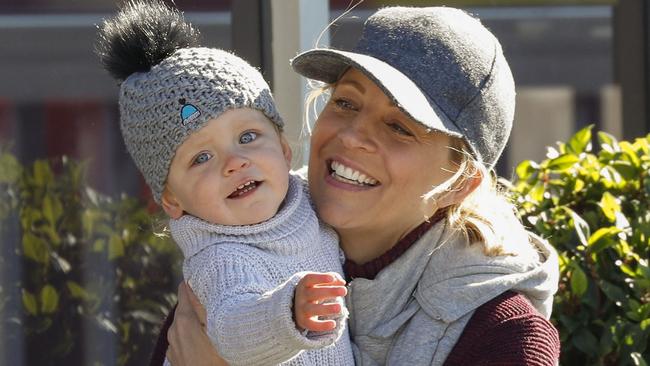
328, 66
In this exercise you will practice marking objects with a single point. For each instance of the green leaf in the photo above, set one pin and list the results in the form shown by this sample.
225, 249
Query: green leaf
115, 247
106, 324
578, 281
49, 299
610, 177
563, 162
613, 292
29, 302
602, 238
637, 359
610, 206
525, 169
580, 225
625, 169
99, 245
630, 153
585, 341
581, 141
52, 209
608, 142
645, 324
10, 168
579, 185
537, 192
76, 291
42, 173
35, 248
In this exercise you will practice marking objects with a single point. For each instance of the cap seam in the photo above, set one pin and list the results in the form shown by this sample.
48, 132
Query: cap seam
482, 85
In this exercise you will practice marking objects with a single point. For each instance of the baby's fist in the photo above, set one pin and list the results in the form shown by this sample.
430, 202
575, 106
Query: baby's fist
315, 297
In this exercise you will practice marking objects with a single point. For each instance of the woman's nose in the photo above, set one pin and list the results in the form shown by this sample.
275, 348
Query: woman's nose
358, 135
235, 163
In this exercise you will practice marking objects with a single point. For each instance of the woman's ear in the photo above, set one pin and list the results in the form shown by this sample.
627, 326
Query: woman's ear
286, 150
458, 193
170, 204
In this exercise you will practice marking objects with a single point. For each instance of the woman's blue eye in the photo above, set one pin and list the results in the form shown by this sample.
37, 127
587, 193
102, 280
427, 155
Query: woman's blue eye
201, 158
399, 129
343, 104
247, 137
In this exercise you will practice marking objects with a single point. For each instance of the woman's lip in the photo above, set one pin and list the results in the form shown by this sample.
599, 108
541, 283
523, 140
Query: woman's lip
330, 180
345, 186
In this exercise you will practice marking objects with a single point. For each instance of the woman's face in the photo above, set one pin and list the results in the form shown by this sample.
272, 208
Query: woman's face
370, 164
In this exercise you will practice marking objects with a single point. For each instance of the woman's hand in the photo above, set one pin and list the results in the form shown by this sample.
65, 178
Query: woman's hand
189, 344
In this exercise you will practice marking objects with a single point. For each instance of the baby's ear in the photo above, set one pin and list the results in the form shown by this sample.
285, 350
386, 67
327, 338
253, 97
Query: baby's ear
286, 149
171, 205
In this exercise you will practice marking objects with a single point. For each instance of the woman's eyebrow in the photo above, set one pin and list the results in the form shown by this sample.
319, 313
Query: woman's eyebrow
353, 83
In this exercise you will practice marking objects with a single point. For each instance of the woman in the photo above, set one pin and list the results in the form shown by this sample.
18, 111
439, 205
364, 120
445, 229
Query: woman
440, 269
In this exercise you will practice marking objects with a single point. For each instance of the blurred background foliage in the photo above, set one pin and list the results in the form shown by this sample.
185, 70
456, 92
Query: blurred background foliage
91, 264
593, 205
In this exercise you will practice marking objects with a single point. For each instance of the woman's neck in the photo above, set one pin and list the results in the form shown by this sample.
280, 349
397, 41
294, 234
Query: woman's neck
362, 246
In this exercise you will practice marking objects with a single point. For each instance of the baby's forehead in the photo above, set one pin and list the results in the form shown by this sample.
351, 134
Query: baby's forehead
233, 120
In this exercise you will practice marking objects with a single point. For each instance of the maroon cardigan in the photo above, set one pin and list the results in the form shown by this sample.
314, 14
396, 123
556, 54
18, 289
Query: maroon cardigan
500, 332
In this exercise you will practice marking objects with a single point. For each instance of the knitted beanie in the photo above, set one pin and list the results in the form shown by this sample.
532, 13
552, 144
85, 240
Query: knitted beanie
170, 90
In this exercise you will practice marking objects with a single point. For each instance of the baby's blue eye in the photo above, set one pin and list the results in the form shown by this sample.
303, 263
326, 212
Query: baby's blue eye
201, 158
247, 137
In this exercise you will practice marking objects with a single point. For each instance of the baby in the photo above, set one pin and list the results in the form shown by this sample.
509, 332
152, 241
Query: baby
202, 127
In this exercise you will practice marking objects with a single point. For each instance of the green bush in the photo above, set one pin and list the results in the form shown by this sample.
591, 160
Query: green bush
594, 207
91, 264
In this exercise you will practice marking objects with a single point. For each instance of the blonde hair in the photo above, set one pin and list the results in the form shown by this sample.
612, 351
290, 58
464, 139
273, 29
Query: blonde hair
486, 216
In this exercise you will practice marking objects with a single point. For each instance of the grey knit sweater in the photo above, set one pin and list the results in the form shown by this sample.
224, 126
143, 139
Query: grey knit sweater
245, 277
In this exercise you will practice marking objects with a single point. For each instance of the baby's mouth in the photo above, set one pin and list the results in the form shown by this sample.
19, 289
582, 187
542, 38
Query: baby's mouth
245, 188
348, 175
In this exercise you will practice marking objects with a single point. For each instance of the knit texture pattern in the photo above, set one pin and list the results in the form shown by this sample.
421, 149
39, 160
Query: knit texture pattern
160, 108
245, 277
500, 333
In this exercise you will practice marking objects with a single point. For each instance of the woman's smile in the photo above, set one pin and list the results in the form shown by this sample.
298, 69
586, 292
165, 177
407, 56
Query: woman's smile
342, 173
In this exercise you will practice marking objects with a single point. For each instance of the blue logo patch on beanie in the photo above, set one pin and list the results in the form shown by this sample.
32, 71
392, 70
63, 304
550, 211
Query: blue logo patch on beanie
188, 112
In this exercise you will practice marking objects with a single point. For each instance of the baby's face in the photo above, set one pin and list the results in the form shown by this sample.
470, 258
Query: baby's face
233, 171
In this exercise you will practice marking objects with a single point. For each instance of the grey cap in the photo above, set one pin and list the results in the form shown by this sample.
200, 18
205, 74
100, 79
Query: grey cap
160, 108
440, 65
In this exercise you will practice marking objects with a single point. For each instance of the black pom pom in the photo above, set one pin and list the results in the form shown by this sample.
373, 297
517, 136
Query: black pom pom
141, 35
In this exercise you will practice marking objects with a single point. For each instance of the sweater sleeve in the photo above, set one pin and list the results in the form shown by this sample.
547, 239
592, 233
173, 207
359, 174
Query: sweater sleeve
249, 321
507, 331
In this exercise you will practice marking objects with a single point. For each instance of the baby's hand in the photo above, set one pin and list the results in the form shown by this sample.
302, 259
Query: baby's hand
314, 297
